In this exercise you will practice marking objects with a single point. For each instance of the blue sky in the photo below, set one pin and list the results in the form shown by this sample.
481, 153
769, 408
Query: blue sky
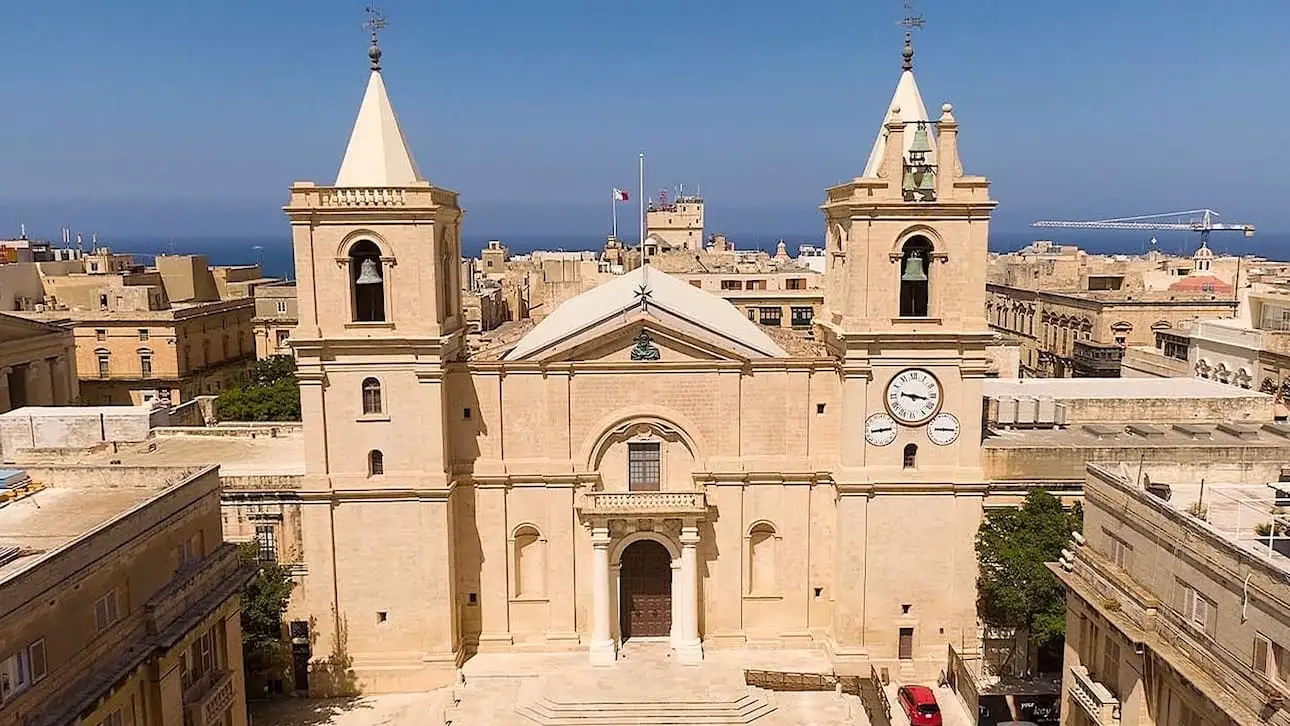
193, 118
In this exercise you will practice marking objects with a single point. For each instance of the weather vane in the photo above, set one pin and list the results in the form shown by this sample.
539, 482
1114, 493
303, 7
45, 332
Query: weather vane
913, 18
375, 22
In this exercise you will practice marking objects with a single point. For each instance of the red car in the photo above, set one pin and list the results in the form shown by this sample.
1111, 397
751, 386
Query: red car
919, 704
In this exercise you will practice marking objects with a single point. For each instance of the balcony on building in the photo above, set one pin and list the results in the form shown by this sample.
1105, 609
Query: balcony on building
644, 503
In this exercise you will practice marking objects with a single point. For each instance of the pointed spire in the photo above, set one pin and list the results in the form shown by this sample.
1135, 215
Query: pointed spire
912, 111
378, 153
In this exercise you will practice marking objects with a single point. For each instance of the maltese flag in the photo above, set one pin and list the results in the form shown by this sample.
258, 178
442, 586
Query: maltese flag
619, 195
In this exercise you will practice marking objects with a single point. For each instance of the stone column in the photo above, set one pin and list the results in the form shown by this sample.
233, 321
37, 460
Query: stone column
678, 588
603, 649
689, 649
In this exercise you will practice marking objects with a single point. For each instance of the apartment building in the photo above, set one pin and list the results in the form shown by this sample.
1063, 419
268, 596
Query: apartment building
1251, 350
1075, 314
118, 599
1177, 600
275, 317
145, 334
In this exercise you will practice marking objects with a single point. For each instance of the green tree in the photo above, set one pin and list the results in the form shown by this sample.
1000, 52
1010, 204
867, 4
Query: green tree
265, 651
268, 392
1014, 588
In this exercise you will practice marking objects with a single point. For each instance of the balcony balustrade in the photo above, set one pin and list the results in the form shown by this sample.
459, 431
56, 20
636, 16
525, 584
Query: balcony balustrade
1094, 697
672, 504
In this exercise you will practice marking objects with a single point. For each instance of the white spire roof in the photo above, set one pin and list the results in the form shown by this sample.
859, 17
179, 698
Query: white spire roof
910, 102
665, 292
378, 154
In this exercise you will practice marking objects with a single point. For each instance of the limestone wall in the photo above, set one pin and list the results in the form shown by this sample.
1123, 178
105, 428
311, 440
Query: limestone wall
76, 427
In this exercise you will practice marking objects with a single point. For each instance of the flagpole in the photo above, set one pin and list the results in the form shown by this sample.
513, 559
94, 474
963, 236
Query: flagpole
641, 201
613, 204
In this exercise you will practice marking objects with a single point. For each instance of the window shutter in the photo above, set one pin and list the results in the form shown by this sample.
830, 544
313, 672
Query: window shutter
1261, 650
36, 652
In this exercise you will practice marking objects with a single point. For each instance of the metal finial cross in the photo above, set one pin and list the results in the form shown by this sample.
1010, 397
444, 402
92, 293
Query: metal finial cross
643, 296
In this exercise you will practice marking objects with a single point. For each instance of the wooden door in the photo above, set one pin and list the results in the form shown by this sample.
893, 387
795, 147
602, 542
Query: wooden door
646, 591
906, 643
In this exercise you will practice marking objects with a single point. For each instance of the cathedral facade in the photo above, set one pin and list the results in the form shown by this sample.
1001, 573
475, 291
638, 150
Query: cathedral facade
646, 462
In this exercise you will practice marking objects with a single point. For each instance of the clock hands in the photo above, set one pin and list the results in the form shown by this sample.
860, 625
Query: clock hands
915, 396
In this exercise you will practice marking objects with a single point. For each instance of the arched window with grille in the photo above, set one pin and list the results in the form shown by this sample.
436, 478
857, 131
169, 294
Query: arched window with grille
911, 456
375, 463
371, 397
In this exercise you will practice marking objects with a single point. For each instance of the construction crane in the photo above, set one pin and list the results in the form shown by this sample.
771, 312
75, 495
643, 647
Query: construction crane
1196, 220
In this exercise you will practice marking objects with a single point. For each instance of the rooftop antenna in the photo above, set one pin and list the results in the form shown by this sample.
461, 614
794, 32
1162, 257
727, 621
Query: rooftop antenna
375, 21
912, 20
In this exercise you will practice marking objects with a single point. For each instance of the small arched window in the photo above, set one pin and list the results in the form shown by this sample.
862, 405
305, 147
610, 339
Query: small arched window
367, 282
911, 456
375, 463
915, 277
371, 396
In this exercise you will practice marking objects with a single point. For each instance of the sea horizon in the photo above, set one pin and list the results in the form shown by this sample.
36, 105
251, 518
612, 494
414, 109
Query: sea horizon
275, 254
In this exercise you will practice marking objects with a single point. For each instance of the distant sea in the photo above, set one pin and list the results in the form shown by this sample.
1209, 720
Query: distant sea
275, 255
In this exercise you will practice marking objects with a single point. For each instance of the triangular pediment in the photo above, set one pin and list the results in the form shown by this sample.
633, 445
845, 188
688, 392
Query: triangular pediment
15, 327
640, 336
651, 296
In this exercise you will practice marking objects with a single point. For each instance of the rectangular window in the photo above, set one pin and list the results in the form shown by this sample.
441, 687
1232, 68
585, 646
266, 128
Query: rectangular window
1110, 675
36, 657
1121, 552
145, 365
1271, 660
282, 306
13, 676
770, 316
107, 611
103, 365
143, 333
189, 552
755, 285
1197, 609
100, 334
116, 718
643, 470
731, 285
802, 317
795, 283
266, 538
283, 335
696, 283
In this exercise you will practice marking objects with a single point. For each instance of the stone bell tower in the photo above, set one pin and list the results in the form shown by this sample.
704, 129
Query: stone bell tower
904, 312
378, 269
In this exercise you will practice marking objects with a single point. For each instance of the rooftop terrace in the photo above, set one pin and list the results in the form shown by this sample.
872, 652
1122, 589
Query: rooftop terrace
67, 504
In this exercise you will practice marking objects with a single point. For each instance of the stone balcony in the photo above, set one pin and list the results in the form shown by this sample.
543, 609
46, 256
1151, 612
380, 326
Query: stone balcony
1096, 700
422, 195
644, 504
208, 698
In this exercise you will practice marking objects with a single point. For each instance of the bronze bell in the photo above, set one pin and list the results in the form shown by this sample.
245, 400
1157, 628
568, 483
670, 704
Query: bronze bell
914, 268
369, 273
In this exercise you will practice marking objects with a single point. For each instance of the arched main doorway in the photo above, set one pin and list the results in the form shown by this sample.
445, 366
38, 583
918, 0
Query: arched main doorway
645, 609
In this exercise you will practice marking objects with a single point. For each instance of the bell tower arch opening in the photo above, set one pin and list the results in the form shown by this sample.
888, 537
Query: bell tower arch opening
367, 284
915, 277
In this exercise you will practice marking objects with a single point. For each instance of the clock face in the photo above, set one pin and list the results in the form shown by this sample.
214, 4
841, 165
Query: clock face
913, 396
880, 429
943, 429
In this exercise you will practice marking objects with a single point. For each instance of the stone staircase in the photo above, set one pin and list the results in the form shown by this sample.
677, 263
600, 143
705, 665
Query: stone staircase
741, 710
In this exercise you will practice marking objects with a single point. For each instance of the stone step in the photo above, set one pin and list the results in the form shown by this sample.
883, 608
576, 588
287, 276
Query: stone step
743, 710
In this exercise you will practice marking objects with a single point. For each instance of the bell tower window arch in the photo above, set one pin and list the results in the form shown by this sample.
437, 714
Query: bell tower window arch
915, 277
366, 282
